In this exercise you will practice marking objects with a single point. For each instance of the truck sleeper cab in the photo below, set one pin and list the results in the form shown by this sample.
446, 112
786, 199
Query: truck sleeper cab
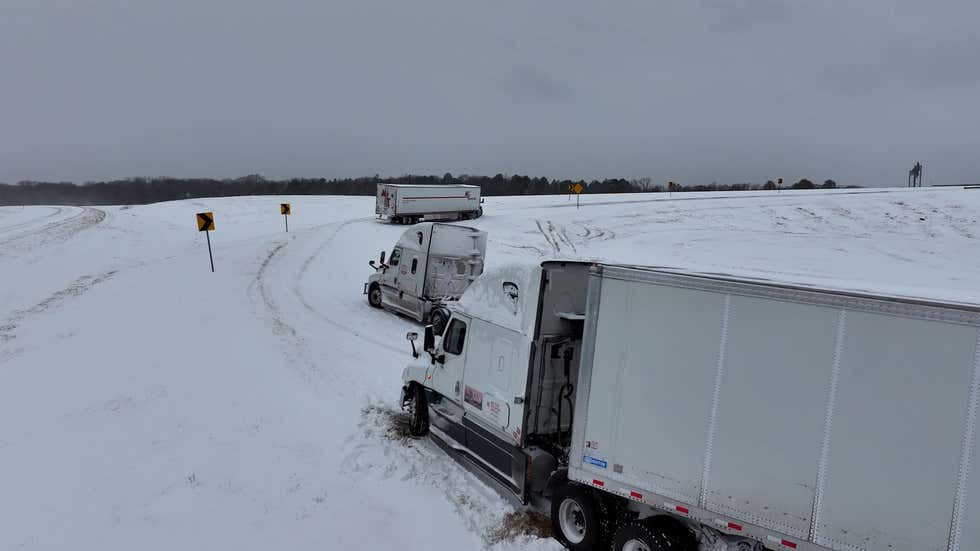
430, 265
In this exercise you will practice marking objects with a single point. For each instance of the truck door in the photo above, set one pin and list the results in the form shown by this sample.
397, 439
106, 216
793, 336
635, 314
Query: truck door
409, 279
389, 280
447, 376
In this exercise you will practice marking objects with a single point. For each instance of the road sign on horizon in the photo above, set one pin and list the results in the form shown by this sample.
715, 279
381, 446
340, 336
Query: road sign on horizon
284, 209
205, 221
577, 188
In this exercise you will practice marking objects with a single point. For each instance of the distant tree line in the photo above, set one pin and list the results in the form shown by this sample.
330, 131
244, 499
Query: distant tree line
134, 191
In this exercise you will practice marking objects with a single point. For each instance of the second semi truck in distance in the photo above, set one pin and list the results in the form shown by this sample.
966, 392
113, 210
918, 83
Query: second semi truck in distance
430, 266
410, 204
653, 409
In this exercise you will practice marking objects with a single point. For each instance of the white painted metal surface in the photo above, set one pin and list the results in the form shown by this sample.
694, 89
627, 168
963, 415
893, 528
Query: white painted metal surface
807, 419
420, 200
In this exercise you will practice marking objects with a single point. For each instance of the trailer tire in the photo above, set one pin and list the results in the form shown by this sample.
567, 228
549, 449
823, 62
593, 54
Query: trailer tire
578, 518
636, 535
418, 411
374, 295
680, 536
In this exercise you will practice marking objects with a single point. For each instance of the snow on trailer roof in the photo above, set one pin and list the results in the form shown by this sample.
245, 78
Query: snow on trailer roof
920, 296
429, 185
508, 294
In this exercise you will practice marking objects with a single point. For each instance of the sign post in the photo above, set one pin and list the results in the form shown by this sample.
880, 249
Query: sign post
779, 185
205, 223
578, 189
285, 210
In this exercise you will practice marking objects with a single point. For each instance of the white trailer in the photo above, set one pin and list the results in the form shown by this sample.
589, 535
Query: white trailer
430, 266
408, 204
658, 409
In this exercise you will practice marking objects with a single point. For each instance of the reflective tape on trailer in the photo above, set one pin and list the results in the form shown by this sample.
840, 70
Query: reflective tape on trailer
782, 542
728, 525
678, 508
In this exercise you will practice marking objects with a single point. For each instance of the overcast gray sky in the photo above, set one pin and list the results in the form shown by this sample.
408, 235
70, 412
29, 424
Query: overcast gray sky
691, 90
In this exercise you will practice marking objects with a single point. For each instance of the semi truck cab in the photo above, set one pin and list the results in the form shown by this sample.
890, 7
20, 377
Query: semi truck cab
430, 266
499, 382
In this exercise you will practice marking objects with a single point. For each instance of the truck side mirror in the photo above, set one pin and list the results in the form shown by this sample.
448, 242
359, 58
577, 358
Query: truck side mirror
371, 264
429, 340
412, 336
382, 257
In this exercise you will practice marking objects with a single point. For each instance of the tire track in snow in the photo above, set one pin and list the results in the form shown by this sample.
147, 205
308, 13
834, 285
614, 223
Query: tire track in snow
59, 231
298, 289
548, 237
382, 449
8, 328
296, 348
27, 223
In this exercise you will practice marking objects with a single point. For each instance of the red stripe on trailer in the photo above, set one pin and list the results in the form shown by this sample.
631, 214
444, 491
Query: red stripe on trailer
636, 495
598, 482
736, 527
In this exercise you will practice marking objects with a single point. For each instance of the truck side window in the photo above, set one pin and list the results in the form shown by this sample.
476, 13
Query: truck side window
415, 264
395, 255
454, 337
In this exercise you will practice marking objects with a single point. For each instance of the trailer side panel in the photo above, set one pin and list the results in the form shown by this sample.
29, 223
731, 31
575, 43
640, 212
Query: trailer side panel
839, 419
763, 463
897, 433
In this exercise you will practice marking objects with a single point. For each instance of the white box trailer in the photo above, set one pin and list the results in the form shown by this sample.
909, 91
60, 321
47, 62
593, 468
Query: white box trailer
409, 204
430, 266
656, 408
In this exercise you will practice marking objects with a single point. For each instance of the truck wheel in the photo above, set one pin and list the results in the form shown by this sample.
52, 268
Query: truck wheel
680, 536
637, 535
577, 518
418, 412
374, 295
438, 319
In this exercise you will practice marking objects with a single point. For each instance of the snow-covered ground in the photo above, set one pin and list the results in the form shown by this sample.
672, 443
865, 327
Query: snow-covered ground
146, 403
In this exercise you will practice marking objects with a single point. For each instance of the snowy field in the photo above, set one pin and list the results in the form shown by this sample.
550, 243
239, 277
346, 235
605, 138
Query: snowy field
146, 403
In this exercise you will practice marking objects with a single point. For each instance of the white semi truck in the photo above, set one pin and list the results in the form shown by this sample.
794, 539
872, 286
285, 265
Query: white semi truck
430, 266
656, 409
409, 204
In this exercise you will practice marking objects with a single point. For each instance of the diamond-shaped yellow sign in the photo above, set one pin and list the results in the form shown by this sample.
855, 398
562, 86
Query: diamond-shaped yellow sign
577, 188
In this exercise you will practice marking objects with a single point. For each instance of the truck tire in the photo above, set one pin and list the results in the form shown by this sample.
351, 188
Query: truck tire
438, 319
374, 295
418, 412
578, 518
680, 536
636, 535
